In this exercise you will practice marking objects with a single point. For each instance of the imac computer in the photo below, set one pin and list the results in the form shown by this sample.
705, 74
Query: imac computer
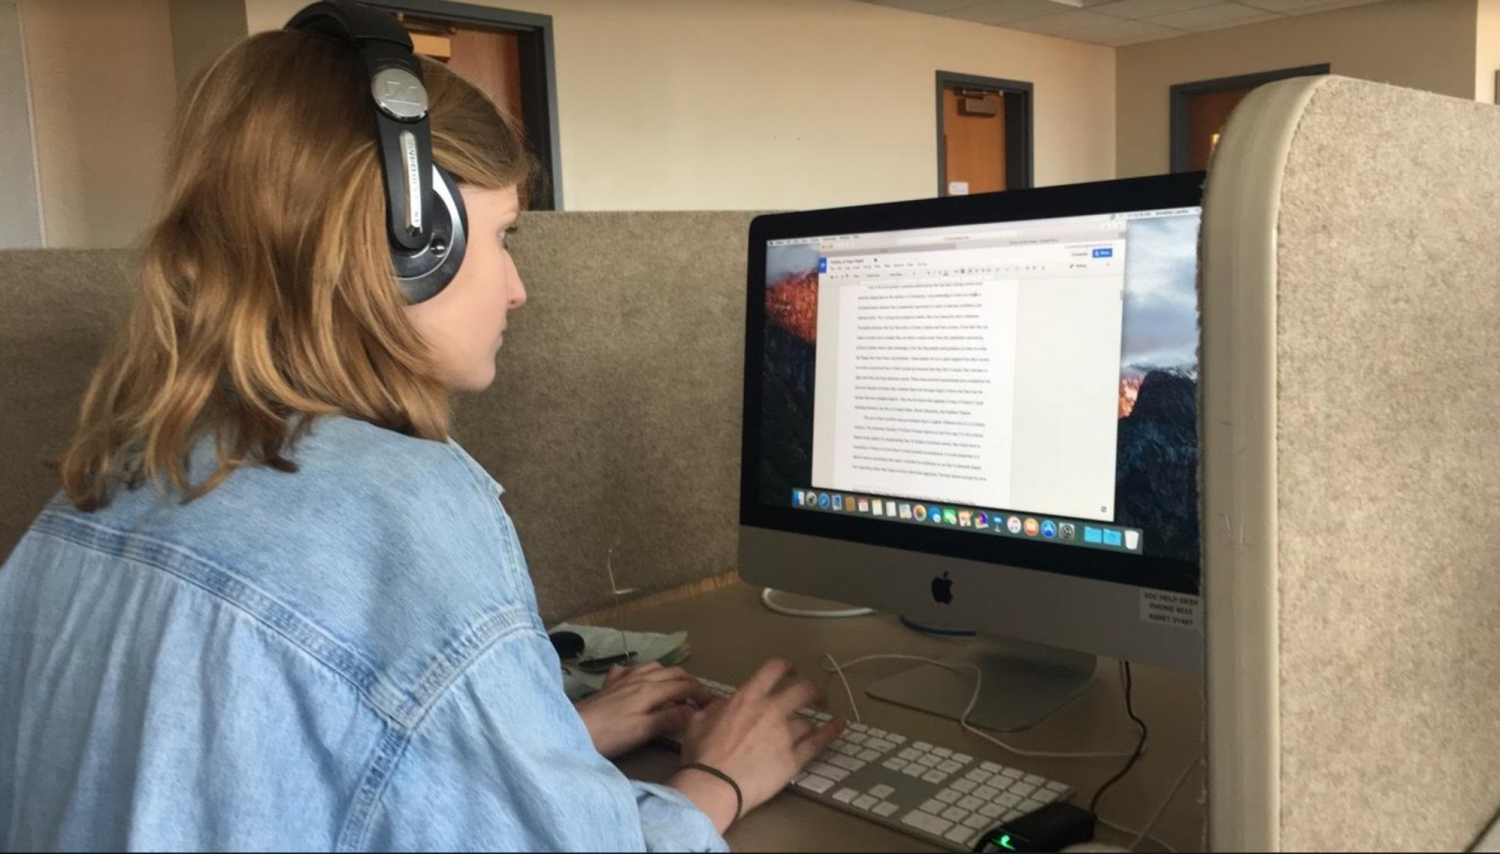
980, 412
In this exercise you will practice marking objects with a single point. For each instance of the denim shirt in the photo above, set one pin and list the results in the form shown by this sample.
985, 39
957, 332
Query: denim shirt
346, 657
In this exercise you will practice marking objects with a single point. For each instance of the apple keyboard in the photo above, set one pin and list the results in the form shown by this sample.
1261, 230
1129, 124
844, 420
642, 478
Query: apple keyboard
942, 796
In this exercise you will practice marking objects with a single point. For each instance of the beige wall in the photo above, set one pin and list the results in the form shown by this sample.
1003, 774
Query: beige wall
757, 104
1487, 50
1422, 44
102, 90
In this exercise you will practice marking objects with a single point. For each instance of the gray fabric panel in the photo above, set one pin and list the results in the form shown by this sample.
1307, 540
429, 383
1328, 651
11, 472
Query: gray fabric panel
61, 307
614, 424
615, 420
1389, 472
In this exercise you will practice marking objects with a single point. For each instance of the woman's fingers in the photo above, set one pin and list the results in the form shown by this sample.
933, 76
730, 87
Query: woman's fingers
820, 739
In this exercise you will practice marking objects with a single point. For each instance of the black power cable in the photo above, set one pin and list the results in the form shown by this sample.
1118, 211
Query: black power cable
1140, 746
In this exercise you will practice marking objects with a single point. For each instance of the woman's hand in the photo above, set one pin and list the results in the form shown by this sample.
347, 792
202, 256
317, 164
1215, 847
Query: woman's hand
755, 737
639, 704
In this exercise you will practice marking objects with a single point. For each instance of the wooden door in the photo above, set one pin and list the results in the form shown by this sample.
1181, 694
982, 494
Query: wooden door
973, 140
1207, 113
490, 59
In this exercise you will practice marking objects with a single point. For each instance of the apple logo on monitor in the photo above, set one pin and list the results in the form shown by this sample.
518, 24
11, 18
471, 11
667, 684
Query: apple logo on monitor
942, 590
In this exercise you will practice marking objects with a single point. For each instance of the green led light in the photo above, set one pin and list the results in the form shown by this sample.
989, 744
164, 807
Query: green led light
1005, 843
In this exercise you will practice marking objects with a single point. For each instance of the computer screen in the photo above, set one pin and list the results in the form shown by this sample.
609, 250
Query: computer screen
1015, 390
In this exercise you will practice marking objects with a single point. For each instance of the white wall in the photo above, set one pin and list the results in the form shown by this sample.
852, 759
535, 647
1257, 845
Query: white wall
771, 104
1422, 44
1487, 50
21, 215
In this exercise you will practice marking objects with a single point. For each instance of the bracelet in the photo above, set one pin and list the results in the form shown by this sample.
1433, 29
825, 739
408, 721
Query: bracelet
739, 797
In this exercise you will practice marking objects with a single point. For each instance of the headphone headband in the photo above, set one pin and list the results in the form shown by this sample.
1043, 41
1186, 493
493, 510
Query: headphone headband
427, 229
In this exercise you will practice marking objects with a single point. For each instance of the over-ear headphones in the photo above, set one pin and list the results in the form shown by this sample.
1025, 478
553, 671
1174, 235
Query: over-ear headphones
425, 216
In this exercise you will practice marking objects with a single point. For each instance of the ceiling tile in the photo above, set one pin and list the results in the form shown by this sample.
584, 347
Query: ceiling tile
1148, 8
929, 6
1062, 25
1213, 17
1009, 11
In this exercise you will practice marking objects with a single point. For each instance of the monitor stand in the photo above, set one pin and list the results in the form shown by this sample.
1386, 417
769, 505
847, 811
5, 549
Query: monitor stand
1023, 684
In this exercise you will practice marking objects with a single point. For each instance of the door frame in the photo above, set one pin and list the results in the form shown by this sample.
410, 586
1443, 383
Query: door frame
1184, 91
538, 75
1019, 114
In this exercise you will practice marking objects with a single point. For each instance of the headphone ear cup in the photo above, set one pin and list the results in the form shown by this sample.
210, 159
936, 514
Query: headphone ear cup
423, 274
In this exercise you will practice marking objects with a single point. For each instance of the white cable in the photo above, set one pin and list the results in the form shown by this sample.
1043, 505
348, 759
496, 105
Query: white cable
765, 599
1130, 831
1156, 816
963, 719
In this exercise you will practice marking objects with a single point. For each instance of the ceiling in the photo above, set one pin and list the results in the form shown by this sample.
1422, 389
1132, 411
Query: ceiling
1118, 22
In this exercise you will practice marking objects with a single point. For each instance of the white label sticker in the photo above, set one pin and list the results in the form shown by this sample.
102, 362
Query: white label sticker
1177, 610
958, 188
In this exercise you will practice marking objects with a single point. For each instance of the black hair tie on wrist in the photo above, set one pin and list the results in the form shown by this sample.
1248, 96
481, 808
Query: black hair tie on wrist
739, 797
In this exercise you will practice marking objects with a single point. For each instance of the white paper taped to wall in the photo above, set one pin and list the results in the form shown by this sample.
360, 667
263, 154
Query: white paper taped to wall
958, 188
1177, 610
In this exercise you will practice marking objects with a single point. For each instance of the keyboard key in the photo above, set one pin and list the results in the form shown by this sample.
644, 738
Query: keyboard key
1060, 788
855, 737
823, 717
847, 749
934, 776
978, 822
950, 766
955, 814
894, 764
807, 712
1022, 789
910, 754
880, 745
1044, 797
864, 802
992, 811
1012, 815
930, 761
895, 739
846, 763
922, 746
797, 779
877, 733
963, 757
823, 769
869, 756
979, 776
960, 835
882, 792
986, 793
1029, 806
885, 810
941, 751
927, 823
935, 807
971, 803
859, 727
992, 767
914, 770
966, 786
1035, 780
844, 796
1008, 800
1013, 773
815, 784
949, 797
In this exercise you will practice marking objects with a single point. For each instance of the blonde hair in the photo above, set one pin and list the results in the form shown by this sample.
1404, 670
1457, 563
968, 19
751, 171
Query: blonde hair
266, 291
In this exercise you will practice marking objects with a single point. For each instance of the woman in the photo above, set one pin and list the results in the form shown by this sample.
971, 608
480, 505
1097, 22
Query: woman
275, 606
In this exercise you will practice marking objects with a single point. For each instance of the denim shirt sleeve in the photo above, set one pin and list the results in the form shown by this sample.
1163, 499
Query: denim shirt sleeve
502, 761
